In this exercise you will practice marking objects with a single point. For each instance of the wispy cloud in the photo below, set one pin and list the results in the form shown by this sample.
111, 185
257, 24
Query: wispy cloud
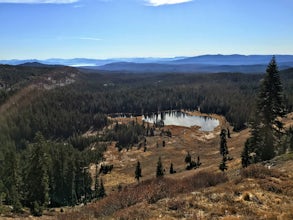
39, 1
78, 6
89, 38
165, 2
79, 38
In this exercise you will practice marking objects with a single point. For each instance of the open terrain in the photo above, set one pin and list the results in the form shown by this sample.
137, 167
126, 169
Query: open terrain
263, 191
183, 140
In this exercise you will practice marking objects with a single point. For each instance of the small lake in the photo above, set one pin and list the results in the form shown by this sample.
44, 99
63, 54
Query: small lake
182, 119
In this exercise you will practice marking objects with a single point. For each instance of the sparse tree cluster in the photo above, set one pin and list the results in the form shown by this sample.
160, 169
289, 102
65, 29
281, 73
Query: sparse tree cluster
191, 164
126, 135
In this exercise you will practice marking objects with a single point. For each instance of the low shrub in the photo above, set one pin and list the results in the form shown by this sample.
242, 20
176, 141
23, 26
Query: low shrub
149, 191
175, 204
134, 212
259, 172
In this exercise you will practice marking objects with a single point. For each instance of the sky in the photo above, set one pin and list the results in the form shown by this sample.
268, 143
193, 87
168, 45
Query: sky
42, 29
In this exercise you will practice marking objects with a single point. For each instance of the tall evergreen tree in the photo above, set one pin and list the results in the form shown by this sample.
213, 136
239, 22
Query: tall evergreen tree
187, 158
102, 191
70, 182
245, 157
223, 165
37, 178
223, 143
87, 182
96, 182
171, 171
160, 169
138, 171
228, 133
11, 179
267, 127
291, 138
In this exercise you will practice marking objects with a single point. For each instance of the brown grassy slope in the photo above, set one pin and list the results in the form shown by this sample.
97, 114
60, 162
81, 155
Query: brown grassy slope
183, 140
258, 193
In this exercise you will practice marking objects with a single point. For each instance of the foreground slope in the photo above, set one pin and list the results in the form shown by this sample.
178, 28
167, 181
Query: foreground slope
262, 191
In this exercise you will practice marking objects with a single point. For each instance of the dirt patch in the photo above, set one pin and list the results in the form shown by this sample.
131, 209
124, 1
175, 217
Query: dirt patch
183, 140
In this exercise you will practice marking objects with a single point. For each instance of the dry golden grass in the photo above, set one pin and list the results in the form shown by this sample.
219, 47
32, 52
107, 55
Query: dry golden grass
205, 193
253, 193
147, 192
183, 140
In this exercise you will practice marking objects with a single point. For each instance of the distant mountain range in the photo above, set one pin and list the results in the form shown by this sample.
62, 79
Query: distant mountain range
197, 64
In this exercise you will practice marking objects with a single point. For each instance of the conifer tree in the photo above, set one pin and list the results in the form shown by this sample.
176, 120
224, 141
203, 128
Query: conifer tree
228, 133
11, 179
224, 151
96, 182
160, 169
198, 161
102, 192
245, 158
223, 144
267, 127
37, 178
223, 165
138, 171
172, 169
188, 158
71, 181
152, 132
87, 185
291, 138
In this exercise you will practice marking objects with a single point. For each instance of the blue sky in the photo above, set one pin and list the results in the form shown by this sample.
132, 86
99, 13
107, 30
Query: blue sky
143, 28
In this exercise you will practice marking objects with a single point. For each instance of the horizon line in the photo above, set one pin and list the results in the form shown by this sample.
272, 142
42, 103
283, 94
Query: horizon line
148, 57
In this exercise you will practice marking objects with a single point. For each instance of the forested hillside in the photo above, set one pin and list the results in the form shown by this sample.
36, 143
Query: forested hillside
46, 110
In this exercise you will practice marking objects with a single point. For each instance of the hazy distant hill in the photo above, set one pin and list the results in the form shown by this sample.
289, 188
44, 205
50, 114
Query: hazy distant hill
183, 68
65, 62
204, 64
197, 64
34, 64
234, 59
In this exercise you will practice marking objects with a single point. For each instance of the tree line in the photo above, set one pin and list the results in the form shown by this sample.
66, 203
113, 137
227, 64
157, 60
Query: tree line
49, 174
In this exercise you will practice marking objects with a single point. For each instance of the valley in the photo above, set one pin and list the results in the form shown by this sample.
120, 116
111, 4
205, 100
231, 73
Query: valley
146, 110
68, 119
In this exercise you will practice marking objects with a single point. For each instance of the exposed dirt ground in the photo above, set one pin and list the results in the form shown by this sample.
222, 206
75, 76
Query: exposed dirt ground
183, 140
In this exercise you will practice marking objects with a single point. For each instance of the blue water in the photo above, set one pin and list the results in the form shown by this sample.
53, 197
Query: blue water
182, 119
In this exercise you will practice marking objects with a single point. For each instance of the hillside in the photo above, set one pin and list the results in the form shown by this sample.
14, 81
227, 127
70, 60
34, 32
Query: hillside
78, 122
258, 192
244, 195
15, 78
255, 193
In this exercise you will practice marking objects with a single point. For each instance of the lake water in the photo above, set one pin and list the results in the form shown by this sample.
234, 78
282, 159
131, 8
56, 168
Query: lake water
182, 119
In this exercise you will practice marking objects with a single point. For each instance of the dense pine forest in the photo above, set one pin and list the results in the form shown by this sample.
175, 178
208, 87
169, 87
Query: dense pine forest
44, 155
